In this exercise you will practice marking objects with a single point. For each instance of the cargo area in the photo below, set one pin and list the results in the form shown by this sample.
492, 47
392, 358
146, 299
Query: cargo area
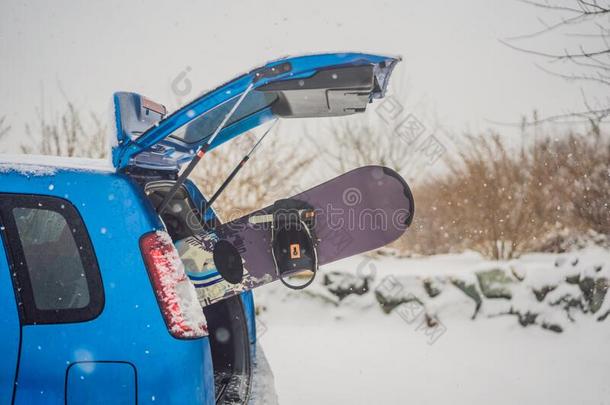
228, 329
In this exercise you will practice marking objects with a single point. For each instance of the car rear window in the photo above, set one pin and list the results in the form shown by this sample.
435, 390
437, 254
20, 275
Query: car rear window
55, 269
204, 126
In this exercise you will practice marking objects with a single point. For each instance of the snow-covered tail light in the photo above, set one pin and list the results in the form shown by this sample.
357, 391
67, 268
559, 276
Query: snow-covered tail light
175, 293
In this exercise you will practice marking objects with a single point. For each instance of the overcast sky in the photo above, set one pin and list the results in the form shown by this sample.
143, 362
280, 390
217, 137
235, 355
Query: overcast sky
452, 57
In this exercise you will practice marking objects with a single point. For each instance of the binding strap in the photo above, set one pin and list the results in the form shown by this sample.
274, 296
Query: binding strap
293, 242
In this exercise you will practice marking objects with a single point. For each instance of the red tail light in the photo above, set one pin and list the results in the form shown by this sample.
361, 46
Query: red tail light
175, 292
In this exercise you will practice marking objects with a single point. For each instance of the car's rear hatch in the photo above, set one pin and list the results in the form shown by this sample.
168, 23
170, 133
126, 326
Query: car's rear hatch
306, 86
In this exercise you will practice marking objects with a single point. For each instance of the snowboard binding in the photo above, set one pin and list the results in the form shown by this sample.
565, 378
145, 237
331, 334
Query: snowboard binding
293, 241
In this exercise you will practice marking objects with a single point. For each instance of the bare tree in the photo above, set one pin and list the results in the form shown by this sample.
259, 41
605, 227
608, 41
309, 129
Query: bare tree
587, 24
578, 185
502, 202
274, 171
353, 143
4, 128
402, 143
67, 134
485, 198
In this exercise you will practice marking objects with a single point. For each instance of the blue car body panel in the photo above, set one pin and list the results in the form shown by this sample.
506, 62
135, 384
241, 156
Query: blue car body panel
247, 299
11, 331
130, 328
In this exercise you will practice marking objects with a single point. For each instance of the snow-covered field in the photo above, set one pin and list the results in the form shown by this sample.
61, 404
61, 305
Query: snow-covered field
326, 351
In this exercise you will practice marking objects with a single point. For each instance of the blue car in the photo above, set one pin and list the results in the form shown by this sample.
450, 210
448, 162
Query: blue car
95, 306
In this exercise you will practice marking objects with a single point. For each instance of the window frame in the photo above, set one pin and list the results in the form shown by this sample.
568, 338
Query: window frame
30, 314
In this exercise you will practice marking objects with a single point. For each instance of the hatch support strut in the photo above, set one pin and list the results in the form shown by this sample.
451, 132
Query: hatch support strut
201, 152
236, 170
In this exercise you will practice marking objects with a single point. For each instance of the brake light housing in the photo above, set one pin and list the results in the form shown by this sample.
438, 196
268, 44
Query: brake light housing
175, 293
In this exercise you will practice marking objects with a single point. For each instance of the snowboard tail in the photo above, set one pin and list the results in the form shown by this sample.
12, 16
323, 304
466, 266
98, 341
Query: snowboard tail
356, 212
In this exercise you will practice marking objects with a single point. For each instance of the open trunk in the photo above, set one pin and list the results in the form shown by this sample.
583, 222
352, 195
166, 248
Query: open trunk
228, 330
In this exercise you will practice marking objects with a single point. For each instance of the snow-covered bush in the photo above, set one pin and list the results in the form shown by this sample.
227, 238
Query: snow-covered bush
553, 292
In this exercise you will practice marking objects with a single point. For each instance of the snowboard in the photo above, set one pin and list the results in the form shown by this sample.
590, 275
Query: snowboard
358, 211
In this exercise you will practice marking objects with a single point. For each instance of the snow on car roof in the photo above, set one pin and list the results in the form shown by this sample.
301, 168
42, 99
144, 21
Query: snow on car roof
42, 165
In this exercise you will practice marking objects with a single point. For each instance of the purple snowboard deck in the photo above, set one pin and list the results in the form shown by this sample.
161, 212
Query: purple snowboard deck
361, 210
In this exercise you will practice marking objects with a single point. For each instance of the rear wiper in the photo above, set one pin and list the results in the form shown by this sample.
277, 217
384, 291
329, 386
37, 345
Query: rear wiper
200, 153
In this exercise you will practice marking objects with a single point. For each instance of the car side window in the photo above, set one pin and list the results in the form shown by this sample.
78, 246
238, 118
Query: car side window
54, 265
53, 261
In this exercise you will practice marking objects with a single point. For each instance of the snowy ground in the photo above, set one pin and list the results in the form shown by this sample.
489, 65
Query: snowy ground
324, 351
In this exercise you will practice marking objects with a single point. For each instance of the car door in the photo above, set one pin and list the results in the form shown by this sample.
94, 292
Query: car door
10, 327
57, 286
324, 85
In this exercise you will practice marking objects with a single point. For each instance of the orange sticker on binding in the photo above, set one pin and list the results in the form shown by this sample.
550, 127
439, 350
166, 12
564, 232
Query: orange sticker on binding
295, 251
